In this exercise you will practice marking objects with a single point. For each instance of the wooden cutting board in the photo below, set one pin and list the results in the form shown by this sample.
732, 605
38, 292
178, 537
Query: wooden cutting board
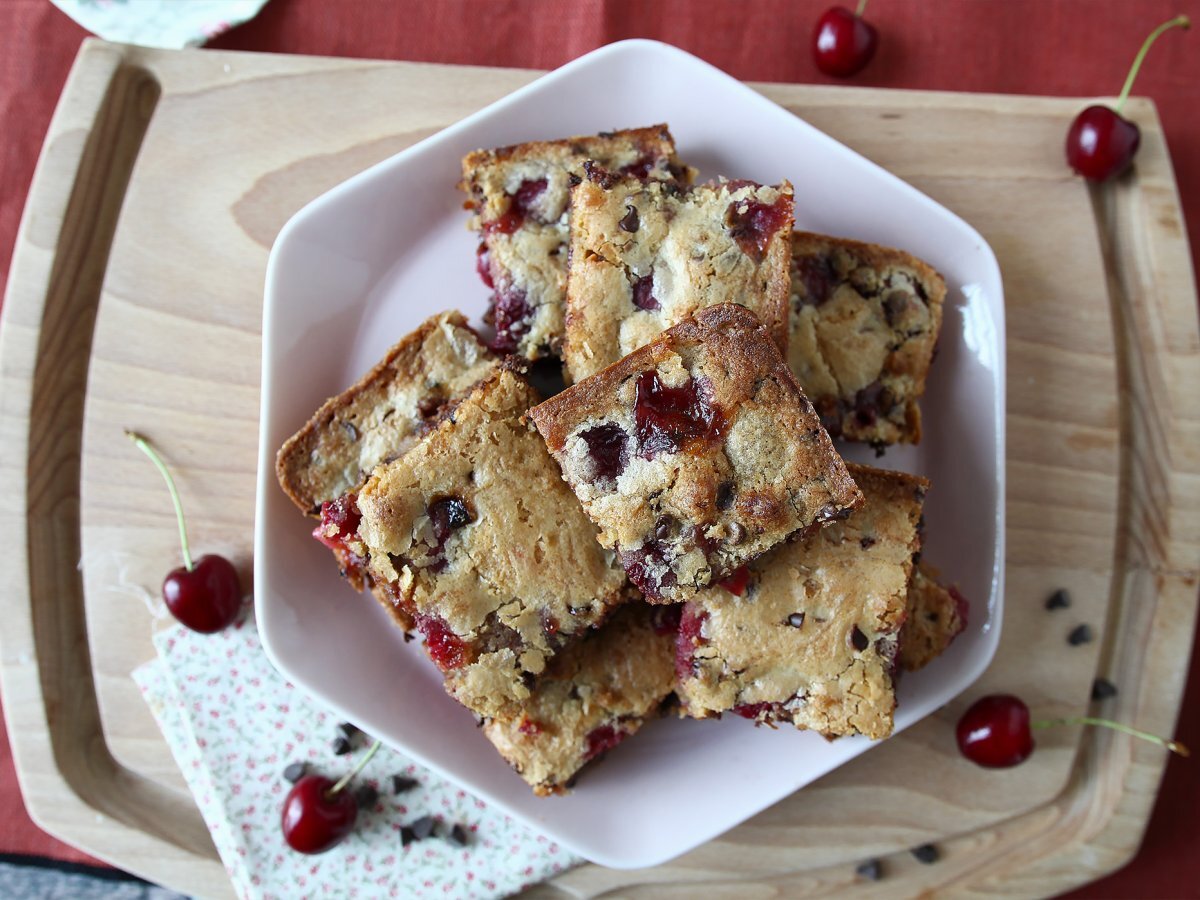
135, 300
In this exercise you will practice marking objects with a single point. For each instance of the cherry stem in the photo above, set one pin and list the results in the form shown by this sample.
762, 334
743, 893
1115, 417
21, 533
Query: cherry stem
1177, 22
1173, 746
345, 779
862, 5
144, 445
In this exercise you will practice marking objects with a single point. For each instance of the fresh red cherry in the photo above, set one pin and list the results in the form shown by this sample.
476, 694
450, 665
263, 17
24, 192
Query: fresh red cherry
995, 732
843, 42
205, 598
206, 595
316, 819
318, 814
1100, 143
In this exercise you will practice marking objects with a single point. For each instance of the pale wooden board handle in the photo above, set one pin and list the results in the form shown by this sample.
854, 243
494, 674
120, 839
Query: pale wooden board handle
45, 342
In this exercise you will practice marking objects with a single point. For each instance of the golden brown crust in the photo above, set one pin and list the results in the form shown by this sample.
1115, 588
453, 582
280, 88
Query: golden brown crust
476, 538
384, 413
646, 255
759, 466
864, 324
812, 638
936, 616
519, 195
596, 692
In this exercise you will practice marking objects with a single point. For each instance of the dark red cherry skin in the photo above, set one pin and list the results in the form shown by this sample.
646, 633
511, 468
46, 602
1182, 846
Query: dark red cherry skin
994, 732
843, 43
206, 599
313, 821
1101, 144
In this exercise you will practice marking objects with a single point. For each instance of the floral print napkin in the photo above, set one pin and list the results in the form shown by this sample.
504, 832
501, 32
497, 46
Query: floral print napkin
160, 23
234, 724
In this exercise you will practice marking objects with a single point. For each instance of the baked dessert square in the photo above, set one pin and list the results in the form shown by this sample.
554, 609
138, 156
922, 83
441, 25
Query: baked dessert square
375, 420
864, 325
594, 694
808, 634
936, 616
519, 195
645, 255
696, 453
478, 543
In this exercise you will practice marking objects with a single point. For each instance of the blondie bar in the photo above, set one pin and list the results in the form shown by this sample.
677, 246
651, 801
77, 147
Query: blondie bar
519, 196
646, 255
808, 633
594, 694
378, 419
696, 453
479, 544
936, 616
864, 325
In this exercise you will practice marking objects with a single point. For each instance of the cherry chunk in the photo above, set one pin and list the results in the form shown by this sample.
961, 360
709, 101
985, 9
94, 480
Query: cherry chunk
752, 224
670, 419
606, 445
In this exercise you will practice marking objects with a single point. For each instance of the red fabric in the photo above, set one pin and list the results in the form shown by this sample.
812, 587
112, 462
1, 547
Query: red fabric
1067, 47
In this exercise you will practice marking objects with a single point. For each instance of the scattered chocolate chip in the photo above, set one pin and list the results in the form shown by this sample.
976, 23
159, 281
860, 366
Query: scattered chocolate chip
366, 796
423, 827
406, 836
662, 528
294, 772
341, 746
1060, 599
348, 731
458, 835
1102, 689
866, 542
351, 431
796, 619
428, 406
926, 853
630, 223
859, 640
1080, 634
402, 783
737, 533
872, 870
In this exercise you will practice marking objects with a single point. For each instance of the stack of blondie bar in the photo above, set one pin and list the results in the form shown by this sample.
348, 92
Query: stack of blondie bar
676, 529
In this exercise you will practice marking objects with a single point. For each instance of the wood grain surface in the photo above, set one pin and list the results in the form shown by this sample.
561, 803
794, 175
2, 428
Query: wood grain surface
135, 301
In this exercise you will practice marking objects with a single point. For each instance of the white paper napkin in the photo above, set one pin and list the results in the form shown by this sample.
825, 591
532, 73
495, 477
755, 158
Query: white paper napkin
234, 724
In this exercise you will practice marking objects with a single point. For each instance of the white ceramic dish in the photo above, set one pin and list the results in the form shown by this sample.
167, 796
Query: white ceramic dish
363, 264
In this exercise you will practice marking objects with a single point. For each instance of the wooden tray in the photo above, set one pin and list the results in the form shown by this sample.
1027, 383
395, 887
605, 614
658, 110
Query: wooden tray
135, 301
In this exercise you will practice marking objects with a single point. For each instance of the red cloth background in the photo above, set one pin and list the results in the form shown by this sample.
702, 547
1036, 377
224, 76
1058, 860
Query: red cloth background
1051, 47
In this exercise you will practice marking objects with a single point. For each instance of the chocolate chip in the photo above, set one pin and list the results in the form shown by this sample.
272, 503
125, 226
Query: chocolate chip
725, 493
366, 796
1080, 634
406, 836
348, 731
1060, 599
428, 406
859, 640
926, 853
866, 542
351, 431
402, 783
423, 827
294, 772
662, 528
630, 223
737, 533
872, 870
341, 746
1102, 689
458, 835
796, 619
